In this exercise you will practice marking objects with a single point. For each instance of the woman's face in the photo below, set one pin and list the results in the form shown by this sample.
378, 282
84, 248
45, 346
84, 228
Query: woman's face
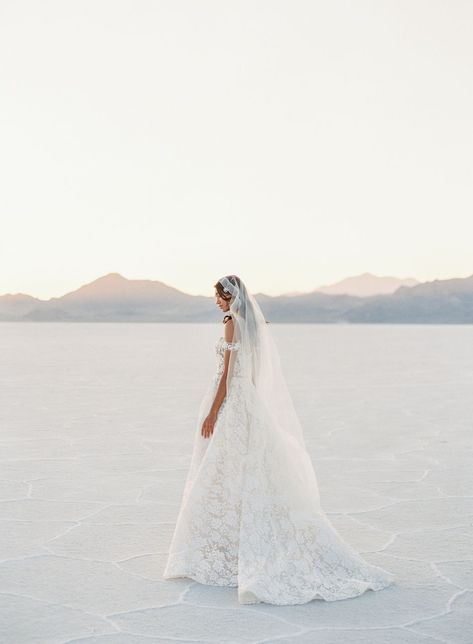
221, 303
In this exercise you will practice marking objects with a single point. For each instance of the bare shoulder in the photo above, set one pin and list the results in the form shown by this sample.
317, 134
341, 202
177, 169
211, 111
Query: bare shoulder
228, 330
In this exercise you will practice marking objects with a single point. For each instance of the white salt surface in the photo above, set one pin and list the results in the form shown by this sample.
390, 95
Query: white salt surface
97, 424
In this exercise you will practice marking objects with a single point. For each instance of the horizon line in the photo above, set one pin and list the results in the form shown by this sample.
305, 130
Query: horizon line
296, 292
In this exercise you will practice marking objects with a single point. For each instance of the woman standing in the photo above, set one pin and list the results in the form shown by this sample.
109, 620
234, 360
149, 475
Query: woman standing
250, 515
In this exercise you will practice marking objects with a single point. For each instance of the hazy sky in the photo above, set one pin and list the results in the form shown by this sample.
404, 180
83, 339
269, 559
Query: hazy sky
293, 143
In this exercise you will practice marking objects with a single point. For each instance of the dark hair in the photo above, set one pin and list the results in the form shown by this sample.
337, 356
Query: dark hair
222, 292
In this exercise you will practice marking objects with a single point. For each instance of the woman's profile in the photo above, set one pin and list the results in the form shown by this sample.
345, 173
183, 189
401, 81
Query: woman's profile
250, 514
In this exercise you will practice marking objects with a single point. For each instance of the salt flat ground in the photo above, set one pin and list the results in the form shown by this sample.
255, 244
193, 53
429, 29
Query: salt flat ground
97, 423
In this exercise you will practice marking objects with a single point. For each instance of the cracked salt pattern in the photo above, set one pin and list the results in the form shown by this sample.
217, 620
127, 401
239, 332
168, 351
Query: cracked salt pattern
97, 422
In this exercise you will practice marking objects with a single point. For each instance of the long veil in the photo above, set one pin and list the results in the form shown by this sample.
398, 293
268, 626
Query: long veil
277, 438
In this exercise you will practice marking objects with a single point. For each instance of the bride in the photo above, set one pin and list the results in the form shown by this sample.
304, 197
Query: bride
250, 515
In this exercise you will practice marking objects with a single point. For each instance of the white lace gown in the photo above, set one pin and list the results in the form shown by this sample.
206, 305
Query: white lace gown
233, 529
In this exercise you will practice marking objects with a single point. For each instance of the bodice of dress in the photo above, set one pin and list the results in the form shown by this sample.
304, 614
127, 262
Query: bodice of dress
220, 347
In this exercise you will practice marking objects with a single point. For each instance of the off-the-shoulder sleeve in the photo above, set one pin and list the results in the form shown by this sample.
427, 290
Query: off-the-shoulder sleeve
231, 346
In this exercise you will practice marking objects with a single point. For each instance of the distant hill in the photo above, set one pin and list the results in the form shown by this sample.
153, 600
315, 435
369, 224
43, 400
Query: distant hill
366, 285
16, 306
113, 298
440, 301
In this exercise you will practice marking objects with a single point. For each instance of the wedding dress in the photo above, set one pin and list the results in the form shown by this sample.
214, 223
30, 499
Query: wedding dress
250, 514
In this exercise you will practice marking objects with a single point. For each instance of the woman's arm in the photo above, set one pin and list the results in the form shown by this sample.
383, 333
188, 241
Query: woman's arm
222, 385
207, 427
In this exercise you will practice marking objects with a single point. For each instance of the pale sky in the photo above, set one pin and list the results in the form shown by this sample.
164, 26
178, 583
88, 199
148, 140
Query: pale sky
293, 143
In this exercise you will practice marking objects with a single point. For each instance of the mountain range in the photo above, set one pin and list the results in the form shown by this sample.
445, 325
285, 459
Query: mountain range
114, 298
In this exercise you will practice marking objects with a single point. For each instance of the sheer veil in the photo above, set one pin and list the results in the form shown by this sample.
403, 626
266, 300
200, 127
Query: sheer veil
277, 439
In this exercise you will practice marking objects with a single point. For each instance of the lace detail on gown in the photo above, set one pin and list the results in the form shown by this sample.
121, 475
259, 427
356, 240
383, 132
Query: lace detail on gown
231, 346
234, 529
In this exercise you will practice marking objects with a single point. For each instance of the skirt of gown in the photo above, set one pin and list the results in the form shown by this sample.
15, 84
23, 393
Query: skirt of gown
234, 529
